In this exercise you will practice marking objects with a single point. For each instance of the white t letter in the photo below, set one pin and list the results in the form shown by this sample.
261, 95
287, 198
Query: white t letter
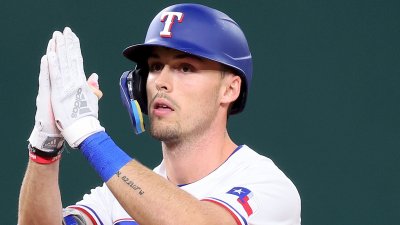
168, 18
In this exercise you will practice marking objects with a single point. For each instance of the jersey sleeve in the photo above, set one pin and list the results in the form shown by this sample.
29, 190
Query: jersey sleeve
260, 198
96, 205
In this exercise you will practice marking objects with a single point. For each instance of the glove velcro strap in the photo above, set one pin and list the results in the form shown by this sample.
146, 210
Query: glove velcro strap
42, 157
81, 129
45, 141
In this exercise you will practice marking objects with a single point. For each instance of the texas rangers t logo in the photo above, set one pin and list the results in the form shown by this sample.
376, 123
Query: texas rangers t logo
169, 19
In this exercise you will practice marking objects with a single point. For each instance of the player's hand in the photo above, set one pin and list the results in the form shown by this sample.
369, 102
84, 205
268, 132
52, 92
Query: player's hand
45, 135
74, 104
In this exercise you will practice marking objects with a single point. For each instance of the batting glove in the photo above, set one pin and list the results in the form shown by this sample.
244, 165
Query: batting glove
74, 104
45, 135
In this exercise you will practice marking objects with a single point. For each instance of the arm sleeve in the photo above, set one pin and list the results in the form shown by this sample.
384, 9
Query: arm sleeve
73, 217
97, 206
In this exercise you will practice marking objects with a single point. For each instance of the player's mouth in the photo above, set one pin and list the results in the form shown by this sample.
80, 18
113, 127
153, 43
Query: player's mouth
161, 107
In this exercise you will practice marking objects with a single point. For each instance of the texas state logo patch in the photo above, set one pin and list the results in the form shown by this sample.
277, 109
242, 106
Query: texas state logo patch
245, 198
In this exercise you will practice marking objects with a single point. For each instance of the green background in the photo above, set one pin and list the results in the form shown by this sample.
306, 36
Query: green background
324, 103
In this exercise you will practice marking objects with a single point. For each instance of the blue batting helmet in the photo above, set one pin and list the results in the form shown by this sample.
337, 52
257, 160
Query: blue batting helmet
198, 30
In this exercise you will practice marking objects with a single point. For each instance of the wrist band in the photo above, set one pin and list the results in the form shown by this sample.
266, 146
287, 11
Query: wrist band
38, 156
104, 155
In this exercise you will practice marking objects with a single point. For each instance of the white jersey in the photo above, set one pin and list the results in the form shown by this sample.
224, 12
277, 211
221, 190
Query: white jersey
250, 186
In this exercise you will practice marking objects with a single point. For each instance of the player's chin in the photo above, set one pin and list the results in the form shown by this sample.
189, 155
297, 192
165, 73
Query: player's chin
163, 131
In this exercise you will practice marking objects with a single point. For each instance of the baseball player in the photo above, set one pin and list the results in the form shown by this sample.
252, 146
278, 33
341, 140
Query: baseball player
193, 70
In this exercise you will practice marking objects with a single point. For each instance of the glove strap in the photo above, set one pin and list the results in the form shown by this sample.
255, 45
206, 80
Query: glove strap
42, 157
81, 129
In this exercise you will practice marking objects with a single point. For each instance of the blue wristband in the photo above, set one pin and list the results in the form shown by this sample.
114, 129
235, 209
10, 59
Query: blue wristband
104, 155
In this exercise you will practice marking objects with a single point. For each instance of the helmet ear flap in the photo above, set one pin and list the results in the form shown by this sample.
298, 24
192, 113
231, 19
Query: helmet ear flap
133, 96
138, 81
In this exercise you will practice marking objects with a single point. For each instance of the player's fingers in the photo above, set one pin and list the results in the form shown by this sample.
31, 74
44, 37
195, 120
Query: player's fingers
73, 45
54, 71
43, 102
68, 38
50, 46
61, 51
76, 44
74, 52
72, 41
53, 64
44, 80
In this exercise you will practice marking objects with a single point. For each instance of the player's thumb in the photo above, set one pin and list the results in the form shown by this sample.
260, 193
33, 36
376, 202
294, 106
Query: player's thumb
93, 82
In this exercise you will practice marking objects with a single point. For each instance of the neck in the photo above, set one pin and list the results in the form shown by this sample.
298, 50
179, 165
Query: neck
194, 158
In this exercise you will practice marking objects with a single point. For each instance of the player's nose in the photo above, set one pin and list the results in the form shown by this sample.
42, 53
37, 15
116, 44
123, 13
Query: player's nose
164, 79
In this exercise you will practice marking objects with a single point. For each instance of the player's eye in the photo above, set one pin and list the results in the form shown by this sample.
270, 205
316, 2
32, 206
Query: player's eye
186, 68
155, 67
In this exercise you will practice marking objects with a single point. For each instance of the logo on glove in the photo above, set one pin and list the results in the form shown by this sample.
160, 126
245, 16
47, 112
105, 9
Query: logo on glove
53, 142
80, 105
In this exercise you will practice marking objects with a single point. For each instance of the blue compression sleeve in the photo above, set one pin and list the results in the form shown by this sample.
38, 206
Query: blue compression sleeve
104, 155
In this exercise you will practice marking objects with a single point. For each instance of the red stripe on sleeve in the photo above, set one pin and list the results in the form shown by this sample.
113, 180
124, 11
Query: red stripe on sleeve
86, 213
225, 207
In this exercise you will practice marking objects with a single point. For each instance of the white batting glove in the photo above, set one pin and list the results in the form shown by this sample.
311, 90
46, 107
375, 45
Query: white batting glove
75, 106
45, 135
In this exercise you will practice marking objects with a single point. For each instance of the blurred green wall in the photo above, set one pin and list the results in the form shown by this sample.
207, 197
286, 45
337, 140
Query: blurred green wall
324, 103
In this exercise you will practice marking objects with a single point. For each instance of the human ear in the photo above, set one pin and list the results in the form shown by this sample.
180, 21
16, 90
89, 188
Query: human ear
232, 84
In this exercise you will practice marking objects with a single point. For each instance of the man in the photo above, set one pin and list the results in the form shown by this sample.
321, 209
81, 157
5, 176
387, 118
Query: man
192, 72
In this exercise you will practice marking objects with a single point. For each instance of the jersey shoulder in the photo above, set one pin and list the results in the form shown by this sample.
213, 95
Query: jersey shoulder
258, 189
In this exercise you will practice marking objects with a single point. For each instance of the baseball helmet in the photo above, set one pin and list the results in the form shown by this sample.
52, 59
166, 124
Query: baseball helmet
198, 30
